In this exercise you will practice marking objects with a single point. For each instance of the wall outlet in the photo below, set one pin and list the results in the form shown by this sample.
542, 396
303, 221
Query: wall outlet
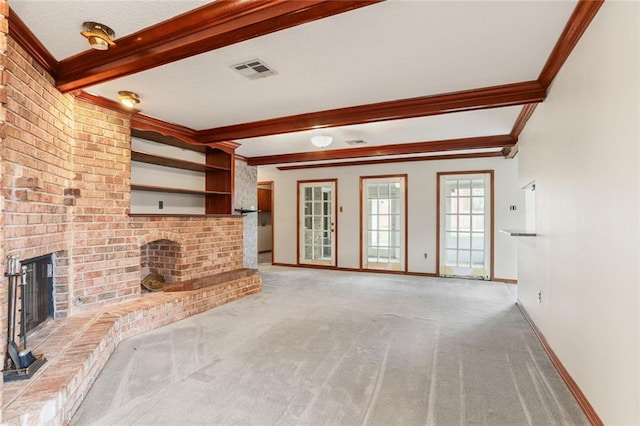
160, 205
539, 296
426, 255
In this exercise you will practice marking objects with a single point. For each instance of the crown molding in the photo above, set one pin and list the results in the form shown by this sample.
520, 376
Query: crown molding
499, 141
144, 122
102, 102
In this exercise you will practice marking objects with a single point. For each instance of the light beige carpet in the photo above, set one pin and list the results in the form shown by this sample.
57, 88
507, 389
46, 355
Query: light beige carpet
337, 348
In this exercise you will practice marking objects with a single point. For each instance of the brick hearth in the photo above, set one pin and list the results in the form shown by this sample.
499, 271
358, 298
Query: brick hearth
77, 348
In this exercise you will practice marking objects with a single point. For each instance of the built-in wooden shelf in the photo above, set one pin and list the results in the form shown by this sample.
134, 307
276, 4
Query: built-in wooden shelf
154, 188
144, 157
218, 169
518, 233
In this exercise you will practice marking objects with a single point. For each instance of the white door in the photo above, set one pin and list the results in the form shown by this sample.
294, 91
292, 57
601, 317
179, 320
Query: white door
317, 242
383, 223
465, 225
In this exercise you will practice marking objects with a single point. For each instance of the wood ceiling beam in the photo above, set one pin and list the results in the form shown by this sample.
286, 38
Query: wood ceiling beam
518, 127
394, 160
499, 141
209, 27
468, 100
577, 24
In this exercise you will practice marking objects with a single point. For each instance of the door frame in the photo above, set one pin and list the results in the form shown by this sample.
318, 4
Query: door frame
491, 218
405, 243
334, 216
273, 222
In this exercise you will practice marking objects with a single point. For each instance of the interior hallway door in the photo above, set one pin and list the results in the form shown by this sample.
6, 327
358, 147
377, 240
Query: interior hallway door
317, 222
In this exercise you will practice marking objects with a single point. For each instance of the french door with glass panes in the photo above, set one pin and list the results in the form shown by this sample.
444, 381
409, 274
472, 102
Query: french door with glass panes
465, 225
383, 222
317, 219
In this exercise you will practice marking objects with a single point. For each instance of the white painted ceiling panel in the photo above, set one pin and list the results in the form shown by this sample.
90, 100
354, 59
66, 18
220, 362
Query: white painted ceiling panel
497, 121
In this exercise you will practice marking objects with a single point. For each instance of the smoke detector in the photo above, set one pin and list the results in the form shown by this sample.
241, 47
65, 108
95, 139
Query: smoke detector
254, 69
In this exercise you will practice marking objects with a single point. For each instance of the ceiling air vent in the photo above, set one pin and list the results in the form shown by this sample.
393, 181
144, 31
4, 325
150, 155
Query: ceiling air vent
254, 69
356, 142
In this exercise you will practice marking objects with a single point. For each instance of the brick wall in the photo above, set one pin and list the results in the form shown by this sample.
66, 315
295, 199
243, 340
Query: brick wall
66, 167
105, 254
207, 245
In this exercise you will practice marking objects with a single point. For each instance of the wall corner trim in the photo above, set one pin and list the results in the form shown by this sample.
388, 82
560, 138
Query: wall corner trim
582, 400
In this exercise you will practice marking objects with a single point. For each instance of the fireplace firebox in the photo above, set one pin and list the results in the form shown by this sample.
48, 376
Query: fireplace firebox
38, 301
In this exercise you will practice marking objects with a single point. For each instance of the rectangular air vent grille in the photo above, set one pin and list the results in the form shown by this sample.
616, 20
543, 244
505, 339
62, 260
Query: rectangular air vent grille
254, 69
356, 142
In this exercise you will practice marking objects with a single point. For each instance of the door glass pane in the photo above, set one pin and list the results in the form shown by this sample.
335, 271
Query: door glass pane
451, 222
464, 240
464, 188
478, 187
464, 223
477, 241
478, 222
477, 205
451, 188
464, 258
452, 240
451, 205
451, 257
464, 205
477, 259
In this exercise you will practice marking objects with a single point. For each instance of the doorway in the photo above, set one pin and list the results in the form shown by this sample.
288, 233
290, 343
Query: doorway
317, 222
383, 222
265, 222
465, 224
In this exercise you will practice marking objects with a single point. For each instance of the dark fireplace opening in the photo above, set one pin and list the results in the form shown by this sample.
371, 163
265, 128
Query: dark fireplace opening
38, 298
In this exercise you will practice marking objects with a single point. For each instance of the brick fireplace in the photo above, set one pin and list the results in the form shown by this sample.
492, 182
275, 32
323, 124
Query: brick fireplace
65, 165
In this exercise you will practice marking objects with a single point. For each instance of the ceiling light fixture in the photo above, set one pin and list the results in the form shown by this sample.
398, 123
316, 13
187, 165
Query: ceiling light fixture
128, 99
99, 35
321, 141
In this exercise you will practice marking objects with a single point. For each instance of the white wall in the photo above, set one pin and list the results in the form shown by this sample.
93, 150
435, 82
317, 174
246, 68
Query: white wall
422, 192
581, 148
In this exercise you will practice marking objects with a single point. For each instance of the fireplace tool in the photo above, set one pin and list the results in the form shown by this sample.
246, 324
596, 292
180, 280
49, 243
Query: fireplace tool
19, 364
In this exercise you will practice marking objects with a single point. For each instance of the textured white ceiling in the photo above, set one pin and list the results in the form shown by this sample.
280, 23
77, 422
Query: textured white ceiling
58, 23
497, 121
393, 50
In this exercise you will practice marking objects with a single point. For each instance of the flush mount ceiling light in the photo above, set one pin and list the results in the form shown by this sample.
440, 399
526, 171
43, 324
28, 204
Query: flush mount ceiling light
99, 35
321, 141
128, 99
